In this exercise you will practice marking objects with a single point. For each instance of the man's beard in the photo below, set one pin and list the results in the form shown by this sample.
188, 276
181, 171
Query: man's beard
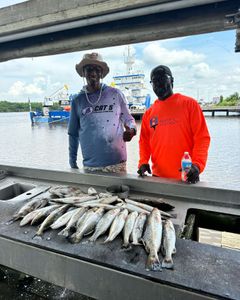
163, 92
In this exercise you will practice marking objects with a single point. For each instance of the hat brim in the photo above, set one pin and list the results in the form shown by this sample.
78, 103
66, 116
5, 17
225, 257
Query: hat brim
85, 62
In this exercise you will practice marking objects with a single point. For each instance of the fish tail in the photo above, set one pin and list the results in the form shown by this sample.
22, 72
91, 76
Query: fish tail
153, 263
64, 232
74, 239
37, 236
92, 239
167, 263
15, 218
125, 245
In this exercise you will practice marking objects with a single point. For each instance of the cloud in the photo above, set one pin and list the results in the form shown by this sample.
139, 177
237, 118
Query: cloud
154, 54
202, 70
21, 89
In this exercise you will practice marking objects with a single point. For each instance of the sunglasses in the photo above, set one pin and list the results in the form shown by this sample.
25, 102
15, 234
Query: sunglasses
92, 68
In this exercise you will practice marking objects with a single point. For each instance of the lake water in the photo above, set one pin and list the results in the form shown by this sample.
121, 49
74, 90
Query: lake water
46, 146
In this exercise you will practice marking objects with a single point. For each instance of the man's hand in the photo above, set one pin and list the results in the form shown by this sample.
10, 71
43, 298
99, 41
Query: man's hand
128, 134
144, 168
193, 174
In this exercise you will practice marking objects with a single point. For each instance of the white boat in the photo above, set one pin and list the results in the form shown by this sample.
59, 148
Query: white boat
132, 84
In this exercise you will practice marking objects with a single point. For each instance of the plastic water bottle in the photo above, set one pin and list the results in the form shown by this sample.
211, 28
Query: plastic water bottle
186, 164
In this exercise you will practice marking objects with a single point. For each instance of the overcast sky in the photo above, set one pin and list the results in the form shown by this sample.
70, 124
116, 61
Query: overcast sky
204, 66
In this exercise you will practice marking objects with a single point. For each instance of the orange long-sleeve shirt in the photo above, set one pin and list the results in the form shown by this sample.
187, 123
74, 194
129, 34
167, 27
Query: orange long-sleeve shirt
169, 128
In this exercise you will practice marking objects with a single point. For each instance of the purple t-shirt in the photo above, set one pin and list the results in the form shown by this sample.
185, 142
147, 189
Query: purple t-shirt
98, 124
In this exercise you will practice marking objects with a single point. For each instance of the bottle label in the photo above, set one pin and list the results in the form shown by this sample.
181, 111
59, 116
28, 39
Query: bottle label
186, 165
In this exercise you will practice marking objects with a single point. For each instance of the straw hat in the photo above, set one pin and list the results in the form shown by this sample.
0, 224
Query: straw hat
92, 59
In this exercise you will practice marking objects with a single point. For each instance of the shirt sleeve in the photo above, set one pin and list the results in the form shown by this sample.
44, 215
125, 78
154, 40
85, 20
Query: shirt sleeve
144, 142
126, 117
73, 132
201, 137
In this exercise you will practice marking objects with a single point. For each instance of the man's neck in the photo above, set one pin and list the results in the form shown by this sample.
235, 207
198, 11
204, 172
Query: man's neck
93, 89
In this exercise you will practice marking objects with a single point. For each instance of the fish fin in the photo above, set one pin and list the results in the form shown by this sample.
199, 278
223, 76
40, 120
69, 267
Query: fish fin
174, 251
153, 263
167, 263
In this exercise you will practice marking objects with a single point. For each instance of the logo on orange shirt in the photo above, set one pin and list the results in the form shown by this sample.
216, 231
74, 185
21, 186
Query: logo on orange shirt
154, 122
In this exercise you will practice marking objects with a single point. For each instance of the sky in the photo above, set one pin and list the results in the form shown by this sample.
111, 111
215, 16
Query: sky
204, 67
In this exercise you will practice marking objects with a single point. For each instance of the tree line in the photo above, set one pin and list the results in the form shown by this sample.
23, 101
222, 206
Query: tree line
6, 106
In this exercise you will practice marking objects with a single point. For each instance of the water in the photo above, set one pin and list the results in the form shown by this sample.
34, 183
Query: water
46, 146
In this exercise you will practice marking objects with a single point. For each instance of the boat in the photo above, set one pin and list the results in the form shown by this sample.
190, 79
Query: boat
47, 115
132, 84
105, 271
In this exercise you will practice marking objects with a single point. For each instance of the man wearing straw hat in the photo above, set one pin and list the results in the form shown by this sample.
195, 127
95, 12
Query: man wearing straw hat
100, 120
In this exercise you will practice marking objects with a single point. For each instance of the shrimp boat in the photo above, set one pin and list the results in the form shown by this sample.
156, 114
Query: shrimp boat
133, 86
47, 115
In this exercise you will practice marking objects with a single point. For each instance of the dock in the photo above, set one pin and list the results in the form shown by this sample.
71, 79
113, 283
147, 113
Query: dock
214, 111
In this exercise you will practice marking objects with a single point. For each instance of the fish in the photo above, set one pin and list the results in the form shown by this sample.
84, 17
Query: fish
159, 203
117, 225
73, 200
138, 227
30, 216
28, 207
87, 225
43, 213
128, 228
152, 240
147, 207
104, 223
132, 207
168, 247
92, 191
54, 215
109, 200
63, 220
78, 213
63, 191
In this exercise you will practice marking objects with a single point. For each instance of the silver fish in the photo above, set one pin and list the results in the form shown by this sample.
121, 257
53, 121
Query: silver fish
147, 207
51, 218
108, 200
117, 225
137, 231
43, 213
78, 213
152, 240
63, 220
30, 206
87, 225
104, 223
128, 228
168, 245
73, 200
132, 207
92, 191
30, 216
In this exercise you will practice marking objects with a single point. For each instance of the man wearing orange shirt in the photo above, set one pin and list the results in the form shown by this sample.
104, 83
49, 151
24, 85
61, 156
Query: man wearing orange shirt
172, 125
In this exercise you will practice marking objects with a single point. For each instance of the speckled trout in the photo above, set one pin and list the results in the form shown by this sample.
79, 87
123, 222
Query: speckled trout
168, 244
152, 240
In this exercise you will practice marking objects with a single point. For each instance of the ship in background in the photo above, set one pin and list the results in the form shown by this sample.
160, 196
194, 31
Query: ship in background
47, 114
132, 85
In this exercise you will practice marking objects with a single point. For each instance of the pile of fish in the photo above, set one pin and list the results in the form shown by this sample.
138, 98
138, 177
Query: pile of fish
78, 214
